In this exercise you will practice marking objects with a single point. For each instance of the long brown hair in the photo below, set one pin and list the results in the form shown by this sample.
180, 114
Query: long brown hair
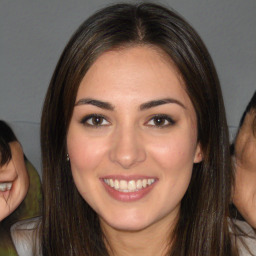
70, 226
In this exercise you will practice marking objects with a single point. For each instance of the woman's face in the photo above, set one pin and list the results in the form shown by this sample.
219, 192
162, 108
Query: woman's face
132, 139
14, 181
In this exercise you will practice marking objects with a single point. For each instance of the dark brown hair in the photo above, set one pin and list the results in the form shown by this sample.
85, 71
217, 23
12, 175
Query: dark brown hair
70, 226
249, 108
6, 136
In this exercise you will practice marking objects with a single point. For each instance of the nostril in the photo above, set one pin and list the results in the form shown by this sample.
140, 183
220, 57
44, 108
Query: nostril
127, 149
127, 157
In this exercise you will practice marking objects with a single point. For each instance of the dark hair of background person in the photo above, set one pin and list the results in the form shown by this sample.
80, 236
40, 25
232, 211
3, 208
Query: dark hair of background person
70, 226
6, 136
250, 107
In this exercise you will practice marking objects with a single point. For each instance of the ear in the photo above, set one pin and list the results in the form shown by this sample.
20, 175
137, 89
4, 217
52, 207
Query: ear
198, 154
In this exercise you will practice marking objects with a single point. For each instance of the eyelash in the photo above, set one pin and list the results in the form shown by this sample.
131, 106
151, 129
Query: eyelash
164, 118
85, 120
161, 117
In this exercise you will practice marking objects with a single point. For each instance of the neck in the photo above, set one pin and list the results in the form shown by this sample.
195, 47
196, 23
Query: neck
154, 240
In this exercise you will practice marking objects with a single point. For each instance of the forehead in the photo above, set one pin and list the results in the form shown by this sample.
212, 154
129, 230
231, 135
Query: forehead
138, 70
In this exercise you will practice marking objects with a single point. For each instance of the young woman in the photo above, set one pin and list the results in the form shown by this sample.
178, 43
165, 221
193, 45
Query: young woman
135, 143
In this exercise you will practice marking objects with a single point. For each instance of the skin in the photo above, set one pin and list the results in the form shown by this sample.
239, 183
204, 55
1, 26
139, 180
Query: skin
245, 166
127, 142
14, 171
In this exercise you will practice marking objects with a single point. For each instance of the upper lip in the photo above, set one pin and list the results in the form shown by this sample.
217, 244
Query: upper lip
128, 177
7, 178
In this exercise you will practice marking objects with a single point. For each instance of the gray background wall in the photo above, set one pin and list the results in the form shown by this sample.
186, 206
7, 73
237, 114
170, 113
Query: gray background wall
34, 33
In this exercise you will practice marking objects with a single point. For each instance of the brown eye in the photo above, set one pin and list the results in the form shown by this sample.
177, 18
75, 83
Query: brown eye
160, 121
95, 121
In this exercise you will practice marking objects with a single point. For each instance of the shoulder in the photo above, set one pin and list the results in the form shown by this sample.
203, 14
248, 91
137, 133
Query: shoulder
25, 236
245, 238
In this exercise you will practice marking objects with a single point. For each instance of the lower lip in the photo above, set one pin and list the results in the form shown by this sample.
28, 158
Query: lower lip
5, 194
128, 196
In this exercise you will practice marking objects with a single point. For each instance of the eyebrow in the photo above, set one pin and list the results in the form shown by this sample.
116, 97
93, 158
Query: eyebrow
155, 103
144, 106
97, 103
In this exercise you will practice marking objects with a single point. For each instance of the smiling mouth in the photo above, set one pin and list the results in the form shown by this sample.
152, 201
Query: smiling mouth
128, 186
5, 186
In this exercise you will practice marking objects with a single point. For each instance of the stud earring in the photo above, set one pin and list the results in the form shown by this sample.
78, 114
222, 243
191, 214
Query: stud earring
67, 158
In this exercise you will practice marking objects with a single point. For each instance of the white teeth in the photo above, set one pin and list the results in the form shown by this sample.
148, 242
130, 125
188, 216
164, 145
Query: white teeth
111, 183
116, 184
150, 181
139, 184
9, 186
129, 186
123, 184
5, 186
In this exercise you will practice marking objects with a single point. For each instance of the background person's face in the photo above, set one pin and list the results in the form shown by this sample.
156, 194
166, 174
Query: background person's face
245, 169
245, 144
132, 139
14, 181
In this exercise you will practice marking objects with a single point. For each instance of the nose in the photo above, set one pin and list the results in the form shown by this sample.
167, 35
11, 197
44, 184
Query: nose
127, 148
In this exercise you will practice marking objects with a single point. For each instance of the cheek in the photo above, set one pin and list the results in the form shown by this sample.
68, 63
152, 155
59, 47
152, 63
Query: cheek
24, 179
22, 184
85, 153
176, 152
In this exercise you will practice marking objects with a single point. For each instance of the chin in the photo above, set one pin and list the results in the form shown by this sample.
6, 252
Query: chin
128, 222
124, 226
